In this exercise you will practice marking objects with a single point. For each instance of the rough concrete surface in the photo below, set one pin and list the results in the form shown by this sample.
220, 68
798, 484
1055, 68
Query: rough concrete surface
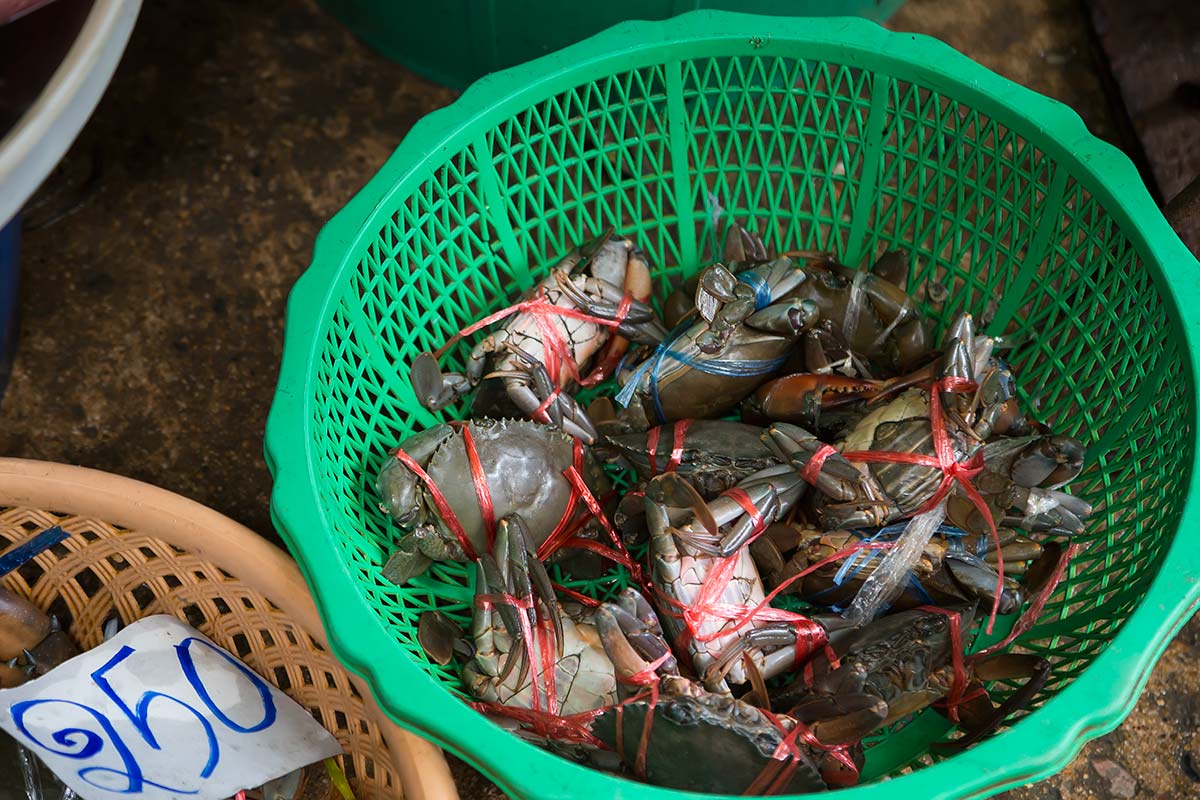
152, 313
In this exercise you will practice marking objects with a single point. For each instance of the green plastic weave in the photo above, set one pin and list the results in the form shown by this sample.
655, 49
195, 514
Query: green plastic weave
827, 134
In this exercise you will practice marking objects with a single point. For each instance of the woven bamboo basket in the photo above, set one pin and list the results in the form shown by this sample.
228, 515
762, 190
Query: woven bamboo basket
138, 550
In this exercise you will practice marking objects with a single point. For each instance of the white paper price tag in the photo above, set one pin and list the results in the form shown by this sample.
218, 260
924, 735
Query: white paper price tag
160, 712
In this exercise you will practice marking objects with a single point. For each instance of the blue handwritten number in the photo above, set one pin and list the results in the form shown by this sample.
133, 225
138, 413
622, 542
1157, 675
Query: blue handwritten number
140, 716
91, 744
264, 690
80, 743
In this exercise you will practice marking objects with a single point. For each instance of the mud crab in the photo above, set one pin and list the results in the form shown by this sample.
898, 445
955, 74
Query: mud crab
908, 661
1021, 470
31, 642
427, 487
708, 364
539, 350
955, 566
714, 455
699, 561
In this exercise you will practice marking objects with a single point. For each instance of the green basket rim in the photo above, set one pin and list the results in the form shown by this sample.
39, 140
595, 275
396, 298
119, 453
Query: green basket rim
1037, 746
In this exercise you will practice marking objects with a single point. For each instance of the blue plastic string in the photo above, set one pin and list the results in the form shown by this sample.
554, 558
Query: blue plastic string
762, 290
926, 599
728, 368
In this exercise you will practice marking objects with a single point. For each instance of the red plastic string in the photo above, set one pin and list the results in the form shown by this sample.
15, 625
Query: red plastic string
1030, 617
652, 437
440, 501
681, 428
241, 795
572, 728
548, 651
614, 351
576, 596
479, 478
647, 676
564, 527
813, 467
558, 354
788, 750
540, 413
585, 494
953, 472
488, 601
678, 436
959, 684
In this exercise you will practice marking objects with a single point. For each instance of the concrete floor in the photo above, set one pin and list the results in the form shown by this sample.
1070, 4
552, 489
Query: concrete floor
153, 313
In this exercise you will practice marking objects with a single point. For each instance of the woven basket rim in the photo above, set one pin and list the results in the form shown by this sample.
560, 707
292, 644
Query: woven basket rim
186, 524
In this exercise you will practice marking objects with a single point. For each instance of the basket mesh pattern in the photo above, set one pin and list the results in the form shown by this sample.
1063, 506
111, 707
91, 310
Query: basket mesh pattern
101, 569
813, 155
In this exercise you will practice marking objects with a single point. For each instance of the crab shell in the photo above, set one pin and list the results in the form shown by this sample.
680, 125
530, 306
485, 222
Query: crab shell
687, 392
716, 454
901, 425
524, 464
710, 743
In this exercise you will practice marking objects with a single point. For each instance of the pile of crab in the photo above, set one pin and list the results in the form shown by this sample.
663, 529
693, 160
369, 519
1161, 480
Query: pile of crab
796, 435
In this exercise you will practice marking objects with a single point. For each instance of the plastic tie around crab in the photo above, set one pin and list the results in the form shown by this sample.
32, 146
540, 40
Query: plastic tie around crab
743, 368
762, 289
578, 597
678, 433
558, 353
814, 465
740, 616
568, 523
809, 635
439, 500
479, 479
646, 676
959, 684
788, 751
491, 600
613, 357
953, 472
618, 554
1030, 617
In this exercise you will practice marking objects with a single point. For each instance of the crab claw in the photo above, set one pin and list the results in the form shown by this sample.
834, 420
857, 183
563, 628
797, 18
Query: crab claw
633, 642
673, 491
434, 389
526, 573
742, 245
534, 387
438, 635
717, 286
893, 266
1049, 462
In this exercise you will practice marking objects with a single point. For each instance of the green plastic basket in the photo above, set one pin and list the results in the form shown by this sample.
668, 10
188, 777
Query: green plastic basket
820, 133
458, 41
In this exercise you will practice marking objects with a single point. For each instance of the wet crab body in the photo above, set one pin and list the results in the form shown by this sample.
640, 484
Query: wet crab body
697, 374
955, 567
523, 465
690, 540
868, 322
704, 742
602, 280
906, 660
714, 455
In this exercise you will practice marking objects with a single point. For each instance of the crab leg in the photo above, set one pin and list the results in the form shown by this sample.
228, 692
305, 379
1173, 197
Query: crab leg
1002, 666
640, 324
